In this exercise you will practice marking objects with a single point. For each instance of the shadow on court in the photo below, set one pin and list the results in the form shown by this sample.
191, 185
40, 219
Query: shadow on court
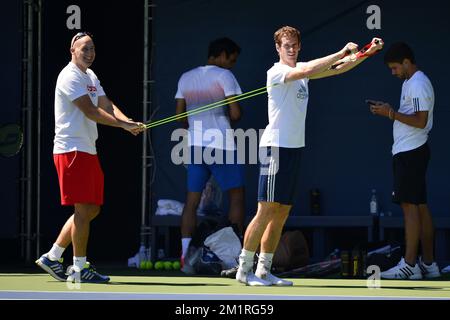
382, 287
167, 284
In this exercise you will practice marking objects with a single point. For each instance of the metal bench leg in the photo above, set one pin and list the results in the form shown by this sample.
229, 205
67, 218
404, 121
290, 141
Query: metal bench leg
370, 234
381, 233
318, 244
440, 245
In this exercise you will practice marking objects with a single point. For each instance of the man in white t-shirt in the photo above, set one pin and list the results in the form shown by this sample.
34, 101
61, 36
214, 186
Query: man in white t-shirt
282, 142
80, 103
411, 153
210, 138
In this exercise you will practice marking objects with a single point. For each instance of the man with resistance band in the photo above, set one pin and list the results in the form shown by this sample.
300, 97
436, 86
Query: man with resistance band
282, 142
80, 103
202, 86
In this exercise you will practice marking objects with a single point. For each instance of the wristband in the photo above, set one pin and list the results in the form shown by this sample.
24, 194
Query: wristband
391, 114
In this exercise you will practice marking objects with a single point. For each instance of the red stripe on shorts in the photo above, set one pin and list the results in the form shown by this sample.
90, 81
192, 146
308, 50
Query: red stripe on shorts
80, 178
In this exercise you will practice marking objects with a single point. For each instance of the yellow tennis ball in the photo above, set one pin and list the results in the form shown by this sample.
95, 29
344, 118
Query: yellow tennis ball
142, 264
159, 265
168, 265
148, 265
176, 265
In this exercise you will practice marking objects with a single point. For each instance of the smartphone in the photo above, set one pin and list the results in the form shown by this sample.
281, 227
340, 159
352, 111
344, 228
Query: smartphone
371, 102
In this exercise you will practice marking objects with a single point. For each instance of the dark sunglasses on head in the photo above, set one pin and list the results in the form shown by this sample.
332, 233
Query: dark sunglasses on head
80, 35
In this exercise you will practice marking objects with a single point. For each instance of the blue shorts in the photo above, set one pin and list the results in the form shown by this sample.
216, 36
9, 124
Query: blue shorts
279, 174
228, 175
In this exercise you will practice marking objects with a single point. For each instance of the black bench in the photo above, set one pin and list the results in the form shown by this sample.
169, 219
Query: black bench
319, 224
161, 225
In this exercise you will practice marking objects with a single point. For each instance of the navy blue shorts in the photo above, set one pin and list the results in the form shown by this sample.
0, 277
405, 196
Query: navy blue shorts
228, 174
279, 174
410, 168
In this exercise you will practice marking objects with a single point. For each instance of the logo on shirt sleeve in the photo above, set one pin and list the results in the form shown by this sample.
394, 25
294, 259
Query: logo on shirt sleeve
92, 91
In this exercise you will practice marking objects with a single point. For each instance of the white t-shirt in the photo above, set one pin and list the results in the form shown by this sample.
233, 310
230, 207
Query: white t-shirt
73, 130
417, 95
287, 106
202, 86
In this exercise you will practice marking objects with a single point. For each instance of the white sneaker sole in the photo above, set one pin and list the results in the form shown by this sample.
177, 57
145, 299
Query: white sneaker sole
283, 284
48, 270
254, 281
432, 276
416, 277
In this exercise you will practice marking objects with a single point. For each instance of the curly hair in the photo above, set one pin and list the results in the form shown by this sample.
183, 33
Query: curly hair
286, 31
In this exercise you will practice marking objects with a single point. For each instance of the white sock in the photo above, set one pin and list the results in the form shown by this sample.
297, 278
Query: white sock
55, 252
185, 246
264, 264
246, 260
78, 263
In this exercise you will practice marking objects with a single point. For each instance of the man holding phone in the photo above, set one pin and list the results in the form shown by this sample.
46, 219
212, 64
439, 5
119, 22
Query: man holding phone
411, 153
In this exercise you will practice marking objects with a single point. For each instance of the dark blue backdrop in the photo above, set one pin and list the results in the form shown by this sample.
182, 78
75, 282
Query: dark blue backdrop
118, 34
11, 92
347, 149
347, 152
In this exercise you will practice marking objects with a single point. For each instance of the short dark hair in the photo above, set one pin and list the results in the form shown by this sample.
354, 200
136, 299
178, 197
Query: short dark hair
217, 46
397, 52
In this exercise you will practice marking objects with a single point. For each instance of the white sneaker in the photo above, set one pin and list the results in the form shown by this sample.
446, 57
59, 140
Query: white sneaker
403, 271
431, 271
275, 281
446, 269
250, 279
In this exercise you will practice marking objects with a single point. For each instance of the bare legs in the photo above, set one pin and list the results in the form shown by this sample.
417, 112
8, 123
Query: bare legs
418, 227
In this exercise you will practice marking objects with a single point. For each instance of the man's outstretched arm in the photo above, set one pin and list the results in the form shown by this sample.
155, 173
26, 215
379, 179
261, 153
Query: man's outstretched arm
351, 61
313, 67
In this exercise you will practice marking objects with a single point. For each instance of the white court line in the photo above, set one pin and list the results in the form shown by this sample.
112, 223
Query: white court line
77, 295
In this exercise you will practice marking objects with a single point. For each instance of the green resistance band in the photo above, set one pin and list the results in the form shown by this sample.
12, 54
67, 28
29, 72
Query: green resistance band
210, 106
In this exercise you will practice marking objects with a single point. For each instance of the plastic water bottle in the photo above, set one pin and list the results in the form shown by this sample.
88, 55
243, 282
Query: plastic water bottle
345, 264
314, 196
374, 203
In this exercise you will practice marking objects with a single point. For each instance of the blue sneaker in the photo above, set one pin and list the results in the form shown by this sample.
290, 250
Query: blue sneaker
53, 268
87, 275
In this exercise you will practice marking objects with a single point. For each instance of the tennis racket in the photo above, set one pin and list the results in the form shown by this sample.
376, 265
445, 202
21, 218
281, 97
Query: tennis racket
11, 139
315, 269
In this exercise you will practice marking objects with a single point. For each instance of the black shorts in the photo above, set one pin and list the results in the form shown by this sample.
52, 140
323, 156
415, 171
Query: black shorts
410, 169
279, 174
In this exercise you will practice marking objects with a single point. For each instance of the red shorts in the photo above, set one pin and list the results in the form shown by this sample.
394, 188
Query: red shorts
80, 178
